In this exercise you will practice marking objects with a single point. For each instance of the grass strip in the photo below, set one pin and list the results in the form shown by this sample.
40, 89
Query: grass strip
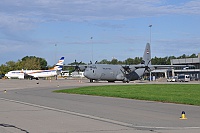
171, 93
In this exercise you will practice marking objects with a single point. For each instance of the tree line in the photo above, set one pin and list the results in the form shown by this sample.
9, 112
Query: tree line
37, 63
154, 61
27, 62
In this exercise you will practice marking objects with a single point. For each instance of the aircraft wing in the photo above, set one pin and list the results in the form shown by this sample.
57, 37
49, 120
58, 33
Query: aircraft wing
152, 67
78, 67
160, 66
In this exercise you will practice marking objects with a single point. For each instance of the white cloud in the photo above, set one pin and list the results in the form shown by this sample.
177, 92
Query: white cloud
14, 23
22, 11
17, 17
175, 47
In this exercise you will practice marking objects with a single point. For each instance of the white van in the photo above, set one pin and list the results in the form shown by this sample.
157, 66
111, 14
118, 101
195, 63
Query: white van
184, 78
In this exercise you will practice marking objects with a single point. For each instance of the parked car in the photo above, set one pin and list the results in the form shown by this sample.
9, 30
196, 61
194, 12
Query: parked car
1, 76
172, 79
184, 78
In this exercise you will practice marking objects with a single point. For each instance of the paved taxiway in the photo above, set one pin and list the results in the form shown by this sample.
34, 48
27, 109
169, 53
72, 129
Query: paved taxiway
31, 107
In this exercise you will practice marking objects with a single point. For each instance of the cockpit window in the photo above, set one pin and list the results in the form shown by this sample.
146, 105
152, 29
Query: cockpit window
93, 67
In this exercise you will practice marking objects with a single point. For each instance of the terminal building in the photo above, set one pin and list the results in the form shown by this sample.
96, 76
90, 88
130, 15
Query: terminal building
194, 72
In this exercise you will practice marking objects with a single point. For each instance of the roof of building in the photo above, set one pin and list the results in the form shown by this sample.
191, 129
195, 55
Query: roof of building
185, 61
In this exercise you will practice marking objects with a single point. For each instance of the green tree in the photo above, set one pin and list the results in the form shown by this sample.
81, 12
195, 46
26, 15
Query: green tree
129, 61
33, 63
11, 65
4, 69
114, 61
182, 56
193, 56
137, 60
104, 61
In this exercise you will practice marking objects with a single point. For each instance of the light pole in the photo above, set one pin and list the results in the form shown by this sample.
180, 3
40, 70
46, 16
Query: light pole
55, 52
150, 32
56, 76
92, 48
150, 44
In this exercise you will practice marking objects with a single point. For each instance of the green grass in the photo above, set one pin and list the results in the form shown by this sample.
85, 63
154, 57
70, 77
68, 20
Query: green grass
172, 93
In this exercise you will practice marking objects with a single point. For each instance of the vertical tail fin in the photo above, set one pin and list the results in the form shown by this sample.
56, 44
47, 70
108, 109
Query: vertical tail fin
147, 55
58, 68
59, 64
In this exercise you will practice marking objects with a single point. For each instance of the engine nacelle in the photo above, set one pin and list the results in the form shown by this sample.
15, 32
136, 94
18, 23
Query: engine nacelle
82, 68
120, 76
132, 68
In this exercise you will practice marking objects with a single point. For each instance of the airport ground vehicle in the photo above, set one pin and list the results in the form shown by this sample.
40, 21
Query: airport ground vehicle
172, 79
184, 78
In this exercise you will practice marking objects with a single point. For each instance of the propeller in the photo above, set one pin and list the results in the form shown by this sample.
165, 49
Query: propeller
77, 68
125, 75
147, 68
92, 63
127, 69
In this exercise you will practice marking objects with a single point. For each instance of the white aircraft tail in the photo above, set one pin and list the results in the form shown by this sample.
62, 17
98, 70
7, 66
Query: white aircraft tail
60, 62
59, 65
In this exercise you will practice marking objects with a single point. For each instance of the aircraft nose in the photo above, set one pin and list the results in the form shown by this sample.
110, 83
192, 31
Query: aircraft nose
85, 73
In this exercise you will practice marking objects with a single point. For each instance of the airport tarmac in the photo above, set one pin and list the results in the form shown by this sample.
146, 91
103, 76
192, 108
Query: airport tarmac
29, 106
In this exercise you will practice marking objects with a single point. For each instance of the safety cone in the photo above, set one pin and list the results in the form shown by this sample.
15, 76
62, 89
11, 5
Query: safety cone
183, 117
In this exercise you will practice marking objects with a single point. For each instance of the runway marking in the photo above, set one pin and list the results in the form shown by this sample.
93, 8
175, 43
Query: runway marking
99, 118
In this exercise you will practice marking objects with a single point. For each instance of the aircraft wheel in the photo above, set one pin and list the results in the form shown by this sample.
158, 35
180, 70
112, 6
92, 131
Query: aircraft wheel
109, 81
126, 81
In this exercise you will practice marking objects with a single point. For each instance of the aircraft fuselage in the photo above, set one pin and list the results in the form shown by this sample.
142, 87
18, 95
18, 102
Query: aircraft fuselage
111, 73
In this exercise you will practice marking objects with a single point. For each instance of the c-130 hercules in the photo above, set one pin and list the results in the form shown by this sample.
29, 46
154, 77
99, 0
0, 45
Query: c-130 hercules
124, 73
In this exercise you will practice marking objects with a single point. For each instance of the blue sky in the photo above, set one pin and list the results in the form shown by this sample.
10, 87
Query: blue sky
119, 28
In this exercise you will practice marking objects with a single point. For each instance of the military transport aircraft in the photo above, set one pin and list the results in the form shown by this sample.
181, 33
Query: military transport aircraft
36, 74
125, 73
